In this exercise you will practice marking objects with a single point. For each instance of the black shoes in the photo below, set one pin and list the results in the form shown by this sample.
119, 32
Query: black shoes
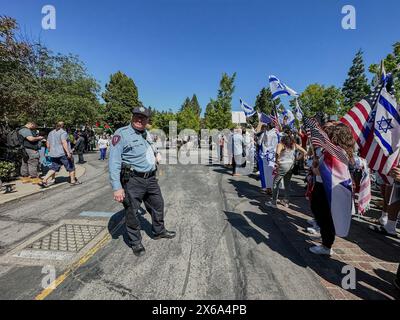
165, 235
138, 250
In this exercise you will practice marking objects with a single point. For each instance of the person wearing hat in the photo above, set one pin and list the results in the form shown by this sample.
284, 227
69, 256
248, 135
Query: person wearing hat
132, 170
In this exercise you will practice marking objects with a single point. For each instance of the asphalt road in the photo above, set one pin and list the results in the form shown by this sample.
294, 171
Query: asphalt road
226, 247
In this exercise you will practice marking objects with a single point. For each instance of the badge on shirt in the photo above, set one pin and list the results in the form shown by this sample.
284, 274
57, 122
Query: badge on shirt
115, 140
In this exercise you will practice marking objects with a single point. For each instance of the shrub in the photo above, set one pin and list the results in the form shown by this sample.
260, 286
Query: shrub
7, 170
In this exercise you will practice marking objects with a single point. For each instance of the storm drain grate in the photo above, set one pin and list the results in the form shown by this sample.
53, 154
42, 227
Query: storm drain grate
68, 238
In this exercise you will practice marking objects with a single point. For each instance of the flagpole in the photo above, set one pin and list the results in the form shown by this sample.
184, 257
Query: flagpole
276, 115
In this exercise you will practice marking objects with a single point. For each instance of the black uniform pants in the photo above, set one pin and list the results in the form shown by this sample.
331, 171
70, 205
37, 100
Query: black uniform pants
147, 190
322, 213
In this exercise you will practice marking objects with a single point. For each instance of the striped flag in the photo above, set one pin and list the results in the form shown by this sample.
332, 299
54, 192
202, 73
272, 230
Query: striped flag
361, 120
263, 118
290, 118
298, 112
248, 111
387, 123
364, 195
320, 139
278, 88
338, 188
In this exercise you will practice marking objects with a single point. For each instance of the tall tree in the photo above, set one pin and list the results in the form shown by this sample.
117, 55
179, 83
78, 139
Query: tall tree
20, 93
121, 96
195, 105
219, 112
37, 85
70, 94
188, 117
328, 100
356, 85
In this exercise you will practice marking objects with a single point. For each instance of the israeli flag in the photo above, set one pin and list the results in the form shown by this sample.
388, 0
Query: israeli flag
263, 118
290, 118
298, 111
387, 123
248, 111
278, 88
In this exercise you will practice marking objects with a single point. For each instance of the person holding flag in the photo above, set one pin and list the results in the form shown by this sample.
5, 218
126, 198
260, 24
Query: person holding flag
284, 159
332, 196
375, 125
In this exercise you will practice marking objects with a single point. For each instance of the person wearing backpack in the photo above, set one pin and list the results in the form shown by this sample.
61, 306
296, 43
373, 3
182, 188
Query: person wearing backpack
30, 142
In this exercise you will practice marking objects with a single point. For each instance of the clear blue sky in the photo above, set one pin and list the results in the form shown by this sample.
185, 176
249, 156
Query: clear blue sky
174, 48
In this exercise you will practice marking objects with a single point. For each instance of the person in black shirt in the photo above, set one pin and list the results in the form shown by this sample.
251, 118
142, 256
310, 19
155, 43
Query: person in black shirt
30, 161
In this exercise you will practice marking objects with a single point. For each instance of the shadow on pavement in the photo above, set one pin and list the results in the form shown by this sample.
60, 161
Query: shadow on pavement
117, 228
376, 285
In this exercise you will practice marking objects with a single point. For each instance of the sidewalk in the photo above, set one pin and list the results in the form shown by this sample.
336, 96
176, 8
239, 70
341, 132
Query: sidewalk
374, 257
22, 190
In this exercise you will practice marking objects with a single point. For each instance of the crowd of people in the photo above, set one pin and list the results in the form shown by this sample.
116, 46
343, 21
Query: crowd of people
44, 153
278, 154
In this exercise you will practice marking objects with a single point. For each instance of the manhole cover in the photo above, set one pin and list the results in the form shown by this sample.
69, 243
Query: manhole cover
67, 238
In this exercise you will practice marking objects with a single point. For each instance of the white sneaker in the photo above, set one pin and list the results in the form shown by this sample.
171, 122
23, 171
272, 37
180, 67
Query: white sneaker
383, 221
321, 250
284, 203
271, 205
314, 230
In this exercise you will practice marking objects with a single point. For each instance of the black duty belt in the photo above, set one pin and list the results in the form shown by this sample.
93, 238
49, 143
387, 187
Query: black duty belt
143, 174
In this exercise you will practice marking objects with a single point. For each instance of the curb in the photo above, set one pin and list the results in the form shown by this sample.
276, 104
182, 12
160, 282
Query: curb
10, 201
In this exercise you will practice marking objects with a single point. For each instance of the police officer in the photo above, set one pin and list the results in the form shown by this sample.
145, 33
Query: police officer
132, 166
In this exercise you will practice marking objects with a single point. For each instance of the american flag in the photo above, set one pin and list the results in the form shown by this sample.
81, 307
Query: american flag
361, 120
319, 138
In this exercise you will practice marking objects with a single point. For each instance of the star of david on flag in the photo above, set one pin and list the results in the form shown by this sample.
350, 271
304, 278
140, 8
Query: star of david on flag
384, 125
278, 88
387, 123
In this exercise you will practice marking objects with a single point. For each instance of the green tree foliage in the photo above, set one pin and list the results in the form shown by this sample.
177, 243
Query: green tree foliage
189, 117
356, 86
320, 98
264, 104
392, 64
195, 105
70, 94
121, 96
218, 113
161, 120
40, 86
19, 86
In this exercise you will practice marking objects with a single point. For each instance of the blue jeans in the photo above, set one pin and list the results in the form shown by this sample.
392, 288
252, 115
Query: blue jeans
103, 153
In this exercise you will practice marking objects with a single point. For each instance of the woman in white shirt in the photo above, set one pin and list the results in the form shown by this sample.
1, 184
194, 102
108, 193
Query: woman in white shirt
103, 145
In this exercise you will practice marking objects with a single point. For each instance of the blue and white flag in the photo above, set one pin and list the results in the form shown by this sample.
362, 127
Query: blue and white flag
298, 112
278, 88
290, 118
387, 123
263, 118
337, 183
248, 111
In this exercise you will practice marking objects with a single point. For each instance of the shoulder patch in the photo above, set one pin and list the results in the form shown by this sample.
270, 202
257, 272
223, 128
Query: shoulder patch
116, 139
